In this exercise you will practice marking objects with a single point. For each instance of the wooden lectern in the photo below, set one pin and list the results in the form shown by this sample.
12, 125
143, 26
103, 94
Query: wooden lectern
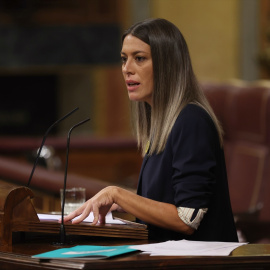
15, 207
17, 214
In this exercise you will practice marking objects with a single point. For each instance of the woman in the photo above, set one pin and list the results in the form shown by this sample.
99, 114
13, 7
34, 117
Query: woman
182, 191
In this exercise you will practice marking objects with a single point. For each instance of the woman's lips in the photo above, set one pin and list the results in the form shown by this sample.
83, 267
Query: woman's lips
132, 85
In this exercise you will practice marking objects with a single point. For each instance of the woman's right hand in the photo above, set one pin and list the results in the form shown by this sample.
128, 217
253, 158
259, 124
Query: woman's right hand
100, 205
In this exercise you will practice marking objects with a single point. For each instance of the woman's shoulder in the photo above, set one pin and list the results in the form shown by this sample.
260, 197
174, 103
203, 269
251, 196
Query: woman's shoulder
194, 122
194, 118
193, 112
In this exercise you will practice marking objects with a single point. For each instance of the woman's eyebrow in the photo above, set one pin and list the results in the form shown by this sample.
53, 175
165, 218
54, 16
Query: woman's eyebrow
134, 53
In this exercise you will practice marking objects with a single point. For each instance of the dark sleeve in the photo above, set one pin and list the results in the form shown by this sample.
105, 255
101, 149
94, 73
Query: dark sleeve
193, 141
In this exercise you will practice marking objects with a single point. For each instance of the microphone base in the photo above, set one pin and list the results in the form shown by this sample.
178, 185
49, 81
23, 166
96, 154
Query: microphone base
63, 238
61, 244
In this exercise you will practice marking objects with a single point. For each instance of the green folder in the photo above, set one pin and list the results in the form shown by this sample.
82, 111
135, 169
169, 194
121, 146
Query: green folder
85, 251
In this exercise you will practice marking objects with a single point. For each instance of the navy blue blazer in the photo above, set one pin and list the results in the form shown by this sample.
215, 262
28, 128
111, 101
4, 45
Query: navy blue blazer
191, 172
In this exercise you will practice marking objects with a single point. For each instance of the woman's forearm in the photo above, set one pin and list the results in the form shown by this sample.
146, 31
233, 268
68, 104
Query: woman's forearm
157, 213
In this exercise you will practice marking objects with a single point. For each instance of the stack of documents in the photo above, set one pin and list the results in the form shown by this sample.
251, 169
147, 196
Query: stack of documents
169, 248
90, 218
189, 248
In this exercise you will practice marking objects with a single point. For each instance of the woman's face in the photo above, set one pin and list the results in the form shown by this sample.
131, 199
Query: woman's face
137, 68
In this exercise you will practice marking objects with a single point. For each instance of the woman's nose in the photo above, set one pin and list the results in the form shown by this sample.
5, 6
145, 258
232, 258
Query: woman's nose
127, 67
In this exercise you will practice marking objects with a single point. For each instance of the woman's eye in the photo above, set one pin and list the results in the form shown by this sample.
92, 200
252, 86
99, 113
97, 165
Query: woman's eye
140, 58
123, 59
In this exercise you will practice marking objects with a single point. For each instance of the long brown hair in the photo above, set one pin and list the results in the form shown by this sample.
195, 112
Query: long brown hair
175, 84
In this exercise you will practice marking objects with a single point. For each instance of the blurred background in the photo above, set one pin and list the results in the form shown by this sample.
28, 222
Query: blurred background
56, 55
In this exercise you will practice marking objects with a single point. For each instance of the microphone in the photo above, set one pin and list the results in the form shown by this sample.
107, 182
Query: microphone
62, 226
43, 141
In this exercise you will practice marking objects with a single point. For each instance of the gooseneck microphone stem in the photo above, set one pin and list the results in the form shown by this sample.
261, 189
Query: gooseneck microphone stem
62, 226
43, 141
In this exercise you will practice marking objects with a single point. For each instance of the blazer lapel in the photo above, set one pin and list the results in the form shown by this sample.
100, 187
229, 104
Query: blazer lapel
140, 176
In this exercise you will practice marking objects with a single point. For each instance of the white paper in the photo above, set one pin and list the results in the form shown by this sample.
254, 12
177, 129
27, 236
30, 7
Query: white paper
189, 248
90, 218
